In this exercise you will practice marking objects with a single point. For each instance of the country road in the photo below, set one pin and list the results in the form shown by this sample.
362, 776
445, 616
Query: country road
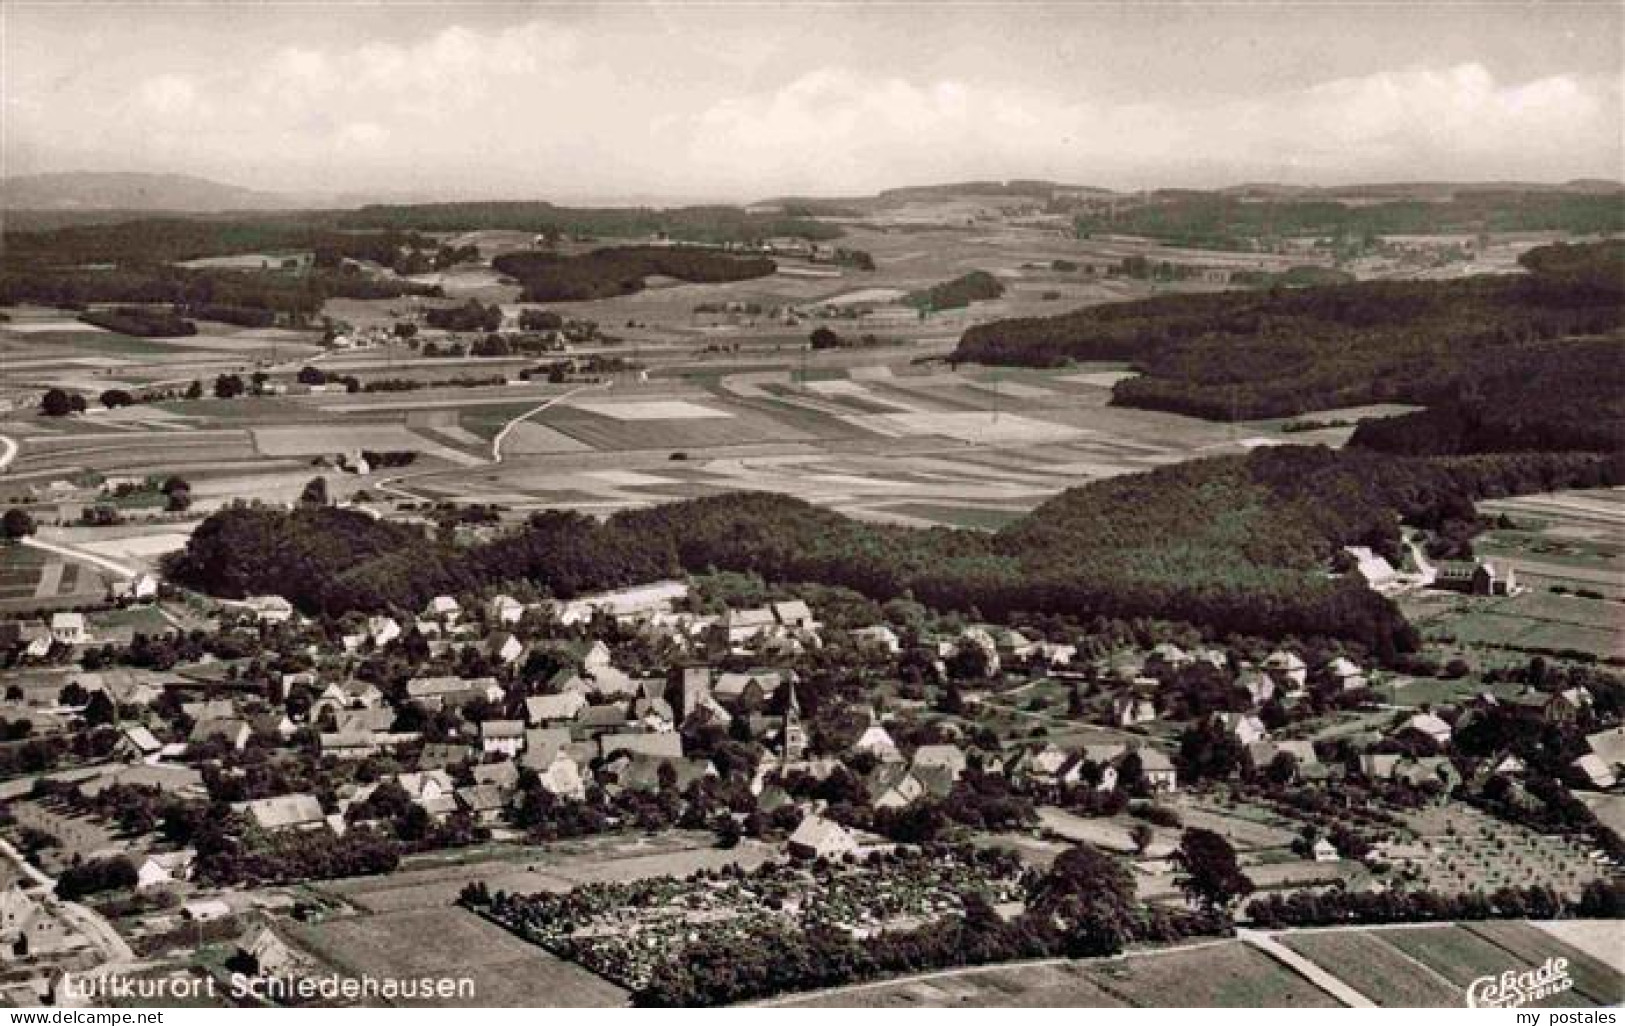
391, 485
69, 552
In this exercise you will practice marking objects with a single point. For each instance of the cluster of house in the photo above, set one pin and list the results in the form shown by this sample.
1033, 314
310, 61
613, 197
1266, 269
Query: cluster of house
1282, 675
34, 639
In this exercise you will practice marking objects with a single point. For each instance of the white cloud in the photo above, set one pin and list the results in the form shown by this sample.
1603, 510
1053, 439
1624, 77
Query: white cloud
1452, 122
548, 109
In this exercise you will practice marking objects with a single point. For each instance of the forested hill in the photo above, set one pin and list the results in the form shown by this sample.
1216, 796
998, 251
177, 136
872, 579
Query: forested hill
1235, 545
1246, 355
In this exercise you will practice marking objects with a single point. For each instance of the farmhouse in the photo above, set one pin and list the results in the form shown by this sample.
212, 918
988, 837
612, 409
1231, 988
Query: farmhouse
1478, 577
69, 629
560, 708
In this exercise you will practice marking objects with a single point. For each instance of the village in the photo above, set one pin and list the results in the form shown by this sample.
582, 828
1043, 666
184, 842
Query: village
173, 802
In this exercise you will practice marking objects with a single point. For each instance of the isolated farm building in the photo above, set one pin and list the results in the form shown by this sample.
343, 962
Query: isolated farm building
504, 736
271, 609
1325, 851
286, 812
1476, 577
820, 838
560, 708
505, 609
69, 629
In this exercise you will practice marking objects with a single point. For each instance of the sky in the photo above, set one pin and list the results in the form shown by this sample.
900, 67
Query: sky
743, 101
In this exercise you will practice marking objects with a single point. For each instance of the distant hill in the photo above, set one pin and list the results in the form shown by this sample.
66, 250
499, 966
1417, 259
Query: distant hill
132, 191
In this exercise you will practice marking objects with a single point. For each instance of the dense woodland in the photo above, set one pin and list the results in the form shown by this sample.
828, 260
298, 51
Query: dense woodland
1233, 545
709, 224
1239, 356
621, 270
1211, 220
962, 291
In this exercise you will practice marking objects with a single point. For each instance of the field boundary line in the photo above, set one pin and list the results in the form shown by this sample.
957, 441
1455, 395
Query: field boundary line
1314, 974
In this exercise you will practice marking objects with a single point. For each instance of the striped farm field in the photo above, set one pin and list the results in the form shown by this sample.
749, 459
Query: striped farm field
1593, 979
1462, 956
607, 434
1387, 976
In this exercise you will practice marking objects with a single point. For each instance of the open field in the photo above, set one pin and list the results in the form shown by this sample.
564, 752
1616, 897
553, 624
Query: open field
452, 943
1462, 956
432, 882
1381, 972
